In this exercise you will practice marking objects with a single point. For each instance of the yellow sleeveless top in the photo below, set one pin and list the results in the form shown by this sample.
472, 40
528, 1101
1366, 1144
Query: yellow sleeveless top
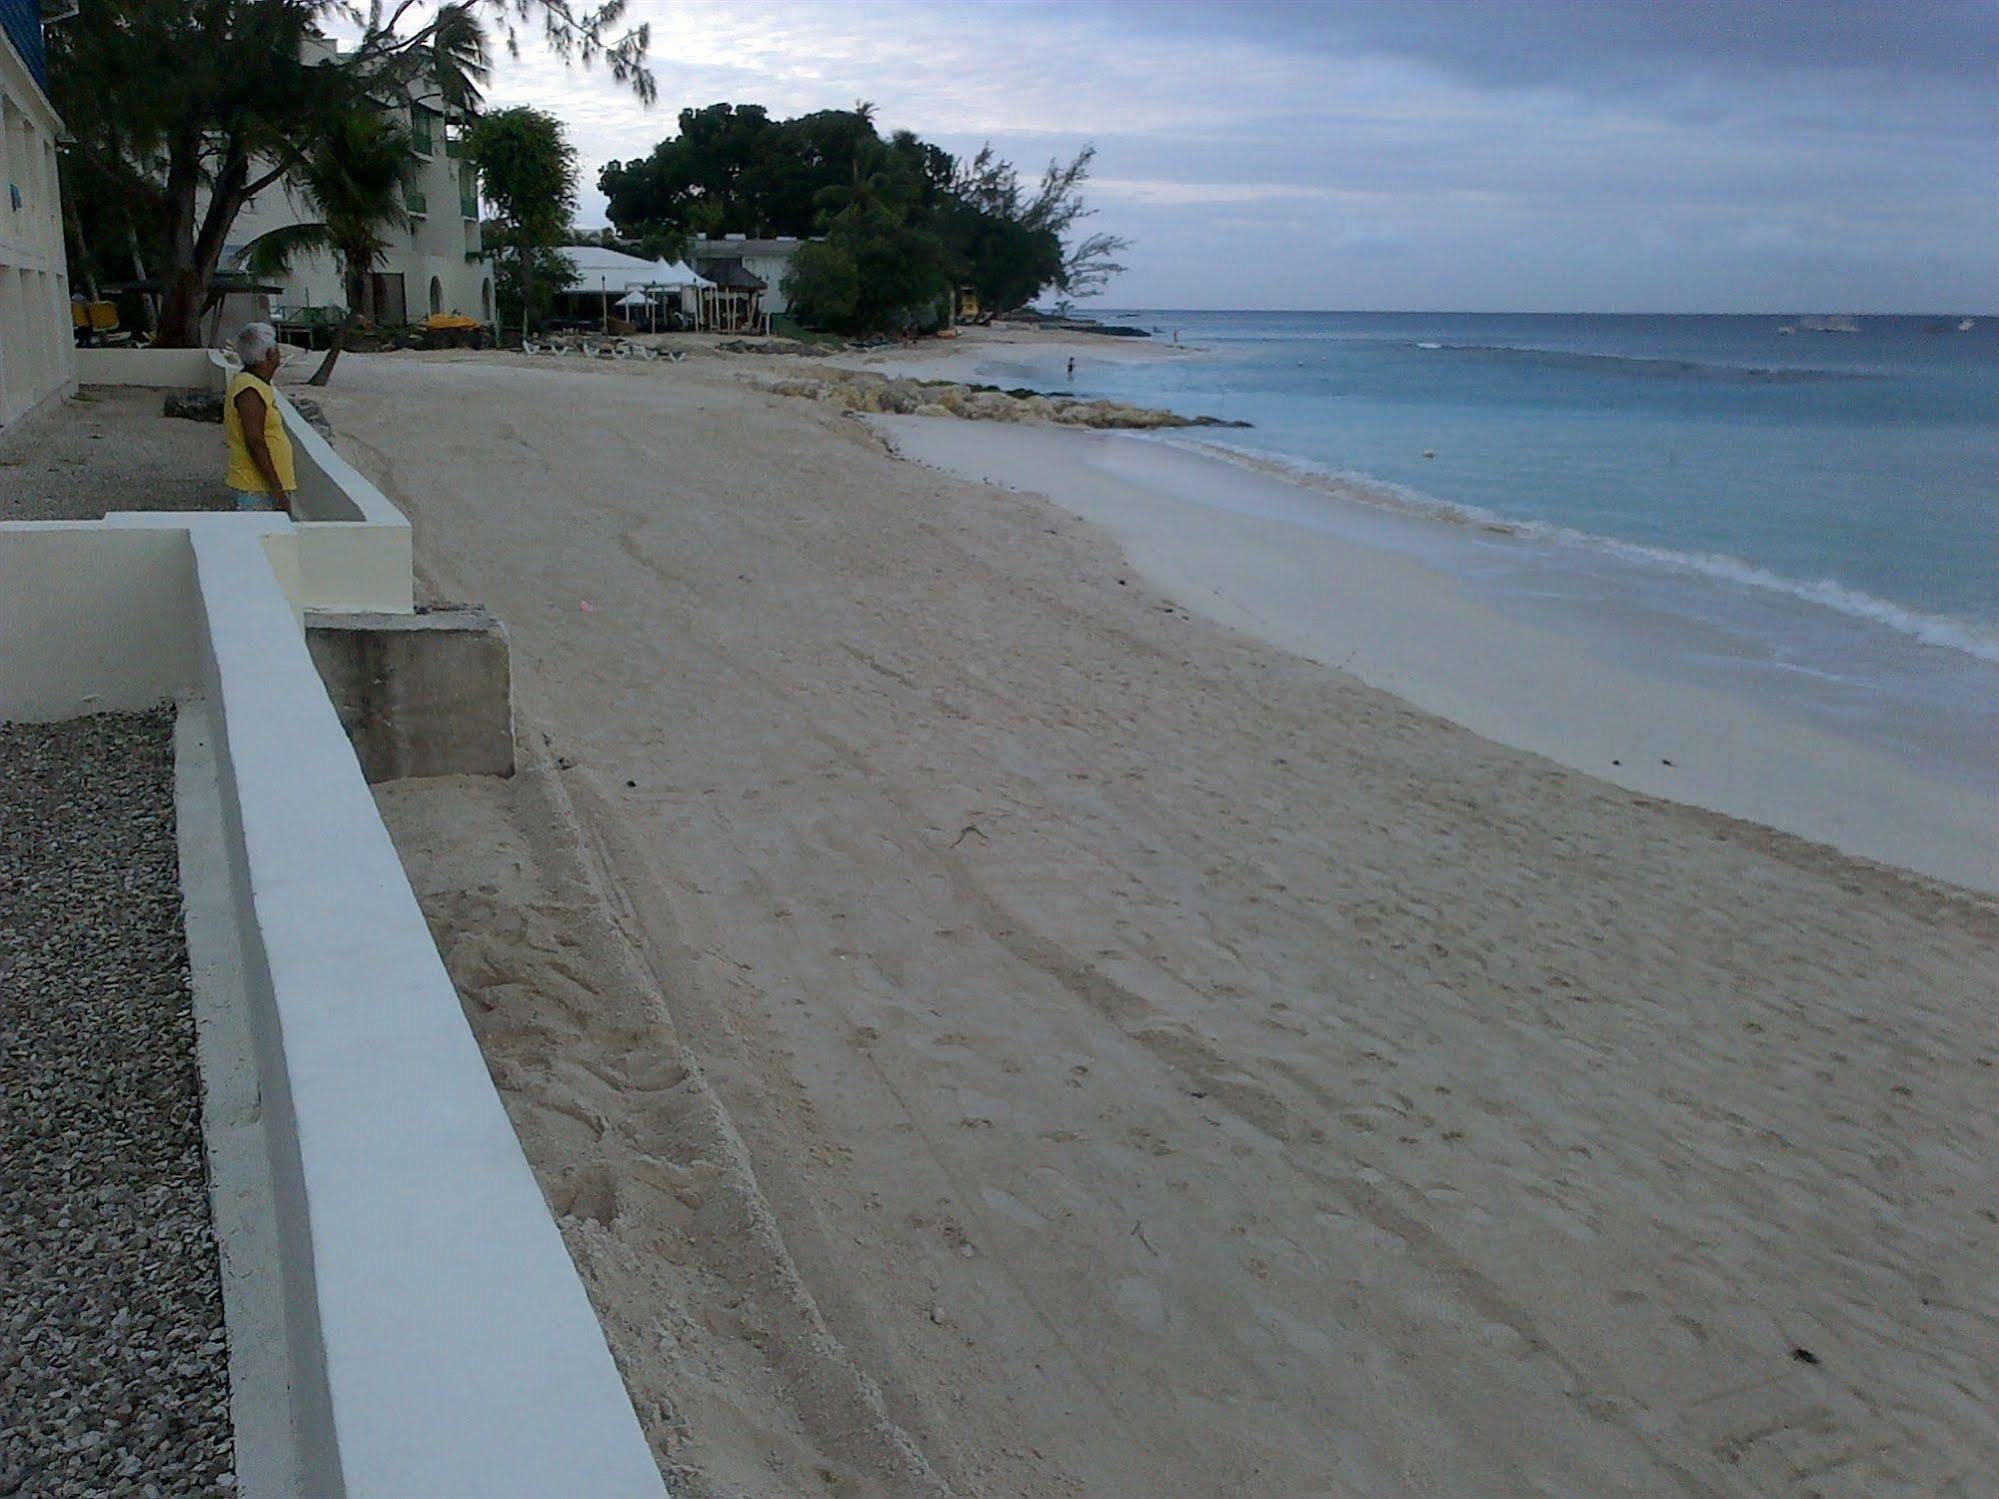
243, 471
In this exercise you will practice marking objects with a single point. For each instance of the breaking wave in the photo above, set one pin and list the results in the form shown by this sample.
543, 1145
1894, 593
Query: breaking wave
1346, 484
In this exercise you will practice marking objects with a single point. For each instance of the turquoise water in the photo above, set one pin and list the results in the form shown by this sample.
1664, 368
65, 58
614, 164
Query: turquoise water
1811, 519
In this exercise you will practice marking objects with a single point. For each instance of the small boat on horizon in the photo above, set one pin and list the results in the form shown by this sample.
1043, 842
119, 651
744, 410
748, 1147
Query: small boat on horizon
1966, 326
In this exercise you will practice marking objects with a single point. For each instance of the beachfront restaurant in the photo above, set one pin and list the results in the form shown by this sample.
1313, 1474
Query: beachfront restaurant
649, 295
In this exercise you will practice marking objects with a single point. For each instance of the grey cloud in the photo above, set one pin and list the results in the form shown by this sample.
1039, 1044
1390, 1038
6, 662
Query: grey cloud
1597, 43
1542, 154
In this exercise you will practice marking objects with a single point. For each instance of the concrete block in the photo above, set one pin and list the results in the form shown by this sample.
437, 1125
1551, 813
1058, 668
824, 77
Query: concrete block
426, 694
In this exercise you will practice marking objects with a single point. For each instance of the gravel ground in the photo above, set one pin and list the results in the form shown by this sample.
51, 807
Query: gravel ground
109, 449
113, 1363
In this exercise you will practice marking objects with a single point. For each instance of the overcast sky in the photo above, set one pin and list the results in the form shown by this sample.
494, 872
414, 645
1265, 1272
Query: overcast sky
1589, 155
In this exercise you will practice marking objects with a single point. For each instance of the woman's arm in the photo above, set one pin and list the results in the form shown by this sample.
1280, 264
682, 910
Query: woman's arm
250, 408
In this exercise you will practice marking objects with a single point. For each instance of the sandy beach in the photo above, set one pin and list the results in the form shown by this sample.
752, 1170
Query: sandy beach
1352, 589
992, 1022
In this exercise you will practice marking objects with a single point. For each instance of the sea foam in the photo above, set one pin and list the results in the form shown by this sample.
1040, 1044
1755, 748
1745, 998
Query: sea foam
1346, 484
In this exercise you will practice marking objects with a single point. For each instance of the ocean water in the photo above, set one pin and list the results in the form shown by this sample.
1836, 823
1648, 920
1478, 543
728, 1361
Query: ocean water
1811, 519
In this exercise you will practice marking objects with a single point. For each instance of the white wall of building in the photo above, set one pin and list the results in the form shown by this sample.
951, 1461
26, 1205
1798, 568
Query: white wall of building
766, 259
37, 349
430, 256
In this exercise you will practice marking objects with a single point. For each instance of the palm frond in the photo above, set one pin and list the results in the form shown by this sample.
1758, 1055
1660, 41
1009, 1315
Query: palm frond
458, 50
272, 254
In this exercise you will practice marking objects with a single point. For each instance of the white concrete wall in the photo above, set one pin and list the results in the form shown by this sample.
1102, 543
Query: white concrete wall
437, 1338
772, 269
351, 549
443, 1341
432, 248
163, 369
354, 548
94, 618
37, 349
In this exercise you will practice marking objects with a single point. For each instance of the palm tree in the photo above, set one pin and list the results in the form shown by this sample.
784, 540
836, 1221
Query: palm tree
868, 186
354, 179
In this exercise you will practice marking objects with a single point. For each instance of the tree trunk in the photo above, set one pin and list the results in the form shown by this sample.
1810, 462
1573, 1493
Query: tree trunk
360, 295
181, 295
150, 300
325, 371
74, 224
527, 285
193, 254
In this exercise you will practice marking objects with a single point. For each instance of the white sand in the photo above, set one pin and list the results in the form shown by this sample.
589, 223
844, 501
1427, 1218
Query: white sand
990, 1034
1407, 627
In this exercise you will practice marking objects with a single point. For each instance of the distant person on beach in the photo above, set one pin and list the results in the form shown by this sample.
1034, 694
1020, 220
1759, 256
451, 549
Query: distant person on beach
1072, 368
261, 476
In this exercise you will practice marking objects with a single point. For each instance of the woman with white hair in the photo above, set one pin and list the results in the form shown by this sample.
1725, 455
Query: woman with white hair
260, 451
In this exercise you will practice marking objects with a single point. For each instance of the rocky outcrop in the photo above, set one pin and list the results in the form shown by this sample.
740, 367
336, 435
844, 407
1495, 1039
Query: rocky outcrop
864, 392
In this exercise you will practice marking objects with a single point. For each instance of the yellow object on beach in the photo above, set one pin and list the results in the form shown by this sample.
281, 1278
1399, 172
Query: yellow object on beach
443, 321
243, 471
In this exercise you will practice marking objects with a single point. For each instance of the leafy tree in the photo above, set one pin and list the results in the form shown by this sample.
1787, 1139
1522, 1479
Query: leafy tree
551, 272
1090, 262
733, 169
213, 99
875, 271
527, 171
822, 285
354, 180
1012, 244
698, 179
105, 202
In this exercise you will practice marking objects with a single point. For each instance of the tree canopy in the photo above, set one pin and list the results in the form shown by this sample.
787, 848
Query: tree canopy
216, 101
904, 222
527, 171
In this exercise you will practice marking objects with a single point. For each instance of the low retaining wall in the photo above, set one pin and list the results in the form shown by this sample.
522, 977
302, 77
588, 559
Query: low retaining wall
443, 1343
94, 618
355, 551
437, 1337
160, 369
419, 694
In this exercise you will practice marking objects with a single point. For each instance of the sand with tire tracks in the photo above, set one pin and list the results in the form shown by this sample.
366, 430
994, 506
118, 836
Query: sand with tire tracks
988, 1031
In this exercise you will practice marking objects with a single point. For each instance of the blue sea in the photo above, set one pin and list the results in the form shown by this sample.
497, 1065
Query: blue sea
1810, 519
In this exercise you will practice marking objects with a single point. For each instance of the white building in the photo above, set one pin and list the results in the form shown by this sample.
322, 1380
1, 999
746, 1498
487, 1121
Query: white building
37, 348
765, 259
433, 266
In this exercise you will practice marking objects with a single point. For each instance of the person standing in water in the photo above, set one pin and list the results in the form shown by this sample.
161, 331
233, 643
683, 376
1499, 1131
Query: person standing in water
261, 475
1072, 369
